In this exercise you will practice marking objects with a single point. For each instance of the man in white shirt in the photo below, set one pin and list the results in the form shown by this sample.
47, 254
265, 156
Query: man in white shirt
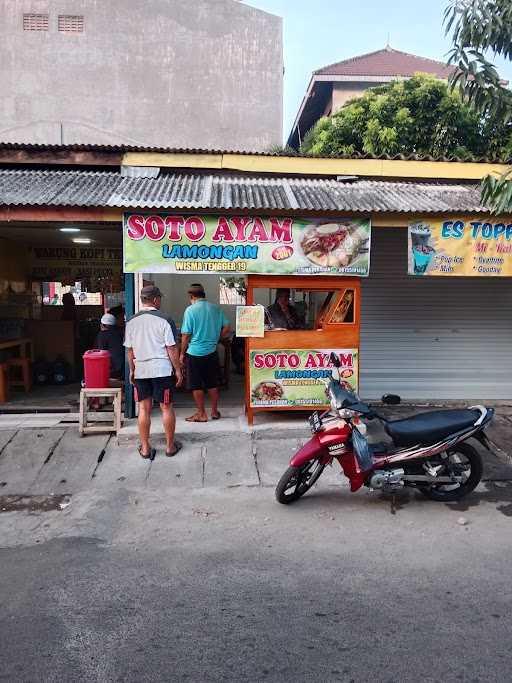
152, 355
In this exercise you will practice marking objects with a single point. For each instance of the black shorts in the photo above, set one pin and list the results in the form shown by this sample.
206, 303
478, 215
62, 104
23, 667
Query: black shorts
202, 371
157, 388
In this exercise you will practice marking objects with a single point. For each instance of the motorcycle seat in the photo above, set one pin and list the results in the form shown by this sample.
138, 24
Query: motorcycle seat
429, 428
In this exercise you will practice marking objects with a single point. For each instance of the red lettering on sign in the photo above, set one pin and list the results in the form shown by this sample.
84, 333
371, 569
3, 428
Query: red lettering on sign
222, 231
310, 362
293, 360
259, 361
258, 232
136, 229
281, 232
281, 359
155, 228
195, 229
270, 361
241, 223
173, 225
346, 360
323, 360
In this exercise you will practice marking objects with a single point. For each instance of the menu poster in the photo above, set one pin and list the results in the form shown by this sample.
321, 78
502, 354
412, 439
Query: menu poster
250, 321
470, 247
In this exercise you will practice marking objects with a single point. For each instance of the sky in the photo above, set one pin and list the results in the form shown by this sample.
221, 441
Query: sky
322, 32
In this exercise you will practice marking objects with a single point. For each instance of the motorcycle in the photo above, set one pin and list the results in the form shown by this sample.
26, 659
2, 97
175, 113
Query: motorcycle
428, 451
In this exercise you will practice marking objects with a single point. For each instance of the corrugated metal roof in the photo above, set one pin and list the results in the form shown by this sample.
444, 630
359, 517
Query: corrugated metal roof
285, 152
202, 191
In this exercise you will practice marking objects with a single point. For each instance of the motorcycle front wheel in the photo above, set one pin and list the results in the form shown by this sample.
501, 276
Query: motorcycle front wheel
297, 480
463, 461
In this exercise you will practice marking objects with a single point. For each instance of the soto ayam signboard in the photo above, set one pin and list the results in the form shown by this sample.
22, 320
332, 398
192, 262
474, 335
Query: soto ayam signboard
171, 243
293, 377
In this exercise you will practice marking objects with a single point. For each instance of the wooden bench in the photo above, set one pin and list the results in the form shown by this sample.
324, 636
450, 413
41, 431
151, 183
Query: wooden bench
87, 426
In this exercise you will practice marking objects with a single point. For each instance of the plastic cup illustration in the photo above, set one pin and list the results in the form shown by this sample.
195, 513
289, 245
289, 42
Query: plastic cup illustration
421, 250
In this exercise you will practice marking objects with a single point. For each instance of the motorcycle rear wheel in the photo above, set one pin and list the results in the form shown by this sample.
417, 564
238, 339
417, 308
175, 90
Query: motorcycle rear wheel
470, 463
297, 480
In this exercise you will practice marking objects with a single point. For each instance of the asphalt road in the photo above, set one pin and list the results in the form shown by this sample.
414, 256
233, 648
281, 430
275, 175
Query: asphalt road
226, 585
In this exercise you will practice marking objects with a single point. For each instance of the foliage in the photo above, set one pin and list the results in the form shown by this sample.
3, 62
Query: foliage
420, 115
479, 27
482, 30
282, 151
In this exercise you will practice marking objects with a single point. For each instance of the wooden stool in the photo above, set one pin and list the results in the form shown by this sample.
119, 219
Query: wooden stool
4, 383
84, 427
24, 378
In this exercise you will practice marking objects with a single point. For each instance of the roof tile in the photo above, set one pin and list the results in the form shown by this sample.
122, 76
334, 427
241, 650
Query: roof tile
386, 63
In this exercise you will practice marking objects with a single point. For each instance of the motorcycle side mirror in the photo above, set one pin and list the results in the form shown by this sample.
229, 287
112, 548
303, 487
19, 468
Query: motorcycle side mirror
335, 360
391, 399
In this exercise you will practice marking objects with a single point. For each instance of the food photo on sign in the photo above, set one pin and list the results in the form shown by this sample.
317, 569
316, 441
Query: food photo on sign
167, 243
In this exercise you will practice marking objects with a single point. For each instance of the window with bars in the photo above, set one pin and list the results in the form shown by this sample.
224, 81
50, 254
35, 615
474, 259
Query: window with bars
71, 23
35, 22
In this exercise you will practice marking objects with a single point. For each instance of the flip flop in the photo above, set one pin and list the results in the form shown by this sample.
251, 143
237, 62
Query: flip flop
178, 446
217, 416
195, 418
148, 456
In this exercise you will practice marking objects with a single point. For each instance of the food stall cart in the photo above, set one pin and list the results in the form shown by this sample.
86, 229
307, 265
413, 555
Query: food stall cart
320, 260
285, 368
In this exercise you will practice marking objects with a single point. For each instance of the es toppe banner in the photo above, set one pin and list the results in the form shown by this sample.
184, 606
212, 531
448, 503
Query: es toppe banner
170, 243
293, 377
475, 247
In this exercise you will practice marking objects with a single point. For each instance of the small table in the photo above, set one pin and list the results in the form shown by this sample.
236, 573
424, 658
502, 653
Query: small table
86, 427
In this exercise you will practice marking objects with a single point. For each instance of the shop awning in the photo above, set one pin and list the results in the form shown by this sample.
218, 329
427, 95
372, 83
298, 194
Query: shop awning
224, 191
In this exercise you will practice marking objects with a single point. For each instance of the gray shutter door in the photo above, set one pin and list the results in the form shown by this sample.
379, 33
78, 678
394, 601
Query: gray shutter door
432, 338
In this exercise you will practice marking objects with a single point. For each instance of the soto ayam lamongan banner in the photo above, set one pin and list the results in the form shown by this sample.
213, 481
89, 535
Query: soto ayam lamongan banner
171, 243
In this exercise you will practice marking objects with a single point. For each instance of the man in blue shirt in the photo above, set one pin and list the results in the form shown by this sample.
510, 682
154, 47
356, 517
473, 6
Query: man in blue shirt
204, 324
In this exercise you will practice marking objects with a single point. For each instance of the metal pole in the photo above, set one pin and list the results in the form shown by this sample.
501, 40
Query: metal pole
129, 305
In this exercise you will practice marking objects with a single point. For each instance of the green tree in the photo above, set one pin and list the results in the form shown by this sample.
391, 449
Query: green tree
418, 116
481, 30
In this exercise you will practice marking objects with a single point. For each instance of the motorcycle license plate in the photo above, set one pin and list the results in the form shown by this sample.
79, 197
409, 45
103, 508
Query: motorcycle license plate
315, 423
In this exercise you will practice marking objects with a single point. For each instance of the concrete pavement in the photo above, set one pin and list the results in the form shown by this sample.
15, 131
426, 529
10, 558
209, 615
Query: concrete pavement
56, 460
43, 454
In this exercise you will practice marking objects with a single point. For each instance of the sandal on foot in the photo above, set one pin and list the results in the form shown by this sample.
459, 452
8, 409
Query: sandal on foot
195, 418
177, 448
216, 416
147, 456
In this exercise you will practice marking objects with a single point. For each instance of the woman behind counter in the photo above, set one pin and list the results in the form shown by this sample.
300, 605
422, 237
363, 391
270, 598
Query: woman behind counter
282, 315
